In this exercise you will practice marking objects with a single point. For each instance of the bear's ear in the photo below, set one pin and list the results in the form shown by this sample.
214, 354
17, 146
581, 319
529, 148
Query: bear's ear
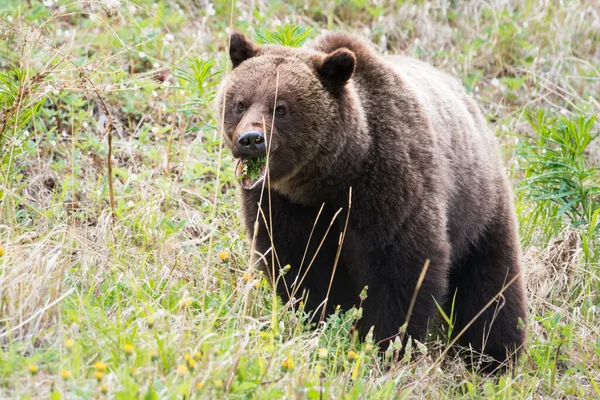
240, 49
336, 68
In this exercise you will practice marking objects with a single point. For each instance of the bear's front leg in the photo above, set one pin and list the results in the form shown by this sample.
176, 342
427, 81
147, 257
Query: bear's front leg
392, 273
305, 238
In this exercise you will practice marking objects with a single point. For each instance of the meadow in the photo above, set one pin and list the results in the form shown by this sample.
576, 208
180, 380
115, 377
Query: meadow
125, 271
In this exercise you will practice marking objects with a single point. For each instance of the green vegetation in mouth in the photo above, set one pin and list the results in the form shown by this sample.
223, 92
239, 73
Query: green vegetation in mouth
252, 167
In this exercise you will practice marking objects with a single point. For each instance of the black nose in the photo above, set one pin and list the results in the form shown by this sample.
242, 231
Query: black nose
251, 144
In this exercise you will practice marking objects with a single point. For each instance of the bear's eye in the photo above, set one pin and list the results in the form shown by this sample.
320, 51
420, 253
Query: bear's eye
240, 106
280, 111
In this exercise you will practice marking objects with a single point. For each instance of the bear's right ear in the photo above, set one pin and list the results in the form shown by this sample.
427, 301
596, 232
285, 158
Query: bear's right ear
336, 68
240, 49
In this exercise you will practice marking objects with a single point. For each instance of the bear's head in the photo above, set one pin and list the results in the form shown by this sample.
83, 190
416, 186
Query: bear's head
294, 103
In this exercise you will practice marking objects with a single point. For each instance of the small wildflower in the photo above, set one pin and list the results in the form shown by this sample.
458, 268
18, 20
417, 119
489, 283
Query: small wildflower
186, 302
219, 383
128, 349
301, 304
104, 389
99, 375
197, 355
150, 322
246, 277
285, 269
187, 356
224, 256
352, 355
33, 369
368, 347
199, 385
100, 366
65, 374
1, 251
182, 370
69, 344
338, 307
288, 365
192, 363
133, 370
323, 353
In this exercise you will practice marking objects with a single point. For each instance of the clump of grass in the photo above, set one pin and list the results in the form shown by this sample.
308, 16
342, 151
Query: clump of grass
558, 179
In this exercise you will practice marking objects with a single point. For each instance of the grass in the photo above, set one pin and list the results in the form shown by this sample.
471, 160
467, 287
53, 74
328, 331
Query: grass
147, 289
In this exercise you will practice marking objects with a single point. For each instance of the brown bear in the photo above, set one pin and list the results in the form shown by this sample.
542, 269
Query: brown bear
426, 179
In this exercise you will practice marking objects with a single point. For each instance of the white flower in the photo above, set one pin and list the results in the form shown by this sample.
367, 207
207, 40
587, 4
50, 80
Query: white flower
48, 3
210, 10
155, 130
154, 93
142, 54
169, 37
495, 82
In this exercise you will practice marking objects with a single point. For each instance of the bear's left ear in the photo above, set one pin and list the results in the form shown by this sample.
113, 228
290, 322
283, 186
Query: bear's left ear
336, 68
240, 49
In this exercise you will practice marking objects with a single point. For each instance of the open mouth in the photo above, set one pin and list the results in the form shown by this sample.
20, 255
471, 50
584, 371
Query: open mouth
251, 171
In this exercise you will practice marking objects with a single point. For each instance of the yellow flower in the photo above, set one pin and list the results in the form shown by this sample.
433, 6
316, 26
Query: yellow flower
186, 302
100, 366
128, 349
197, 355
246, 277
133, 370
33, 369
301, 304
104, 389
65, 374
199, 385
323, 353
368, 347
218, 383
98, 375
150, 322
352, 355
1, 251
69, 344
288, 365
223, 255
182, 370
187, 356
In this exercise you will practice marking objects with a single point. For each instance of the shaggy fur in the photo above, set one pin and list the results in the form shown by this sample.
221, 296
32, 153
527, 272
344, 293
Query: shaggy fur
427, 184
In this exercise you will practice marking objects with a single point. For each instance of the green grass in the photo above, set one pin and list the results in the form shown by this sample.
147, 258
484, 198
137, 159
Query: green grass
154, 295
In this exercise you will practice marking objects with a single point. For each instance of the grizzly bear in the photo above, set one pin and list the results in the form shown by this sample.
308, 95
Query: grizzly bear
360, 170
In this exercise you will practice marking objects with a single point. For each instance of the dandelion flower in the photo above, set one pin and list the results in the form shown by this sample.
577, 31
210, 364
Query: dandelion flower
99, 375
187, 356
219, 383
104, 389
182, 370
69, 344
100, 366
1, 251
33, 369
352, 355
192, 363
186, 302
287, 365
323, 353
199, 385
65, 374
197, 355
128, 349
223, 255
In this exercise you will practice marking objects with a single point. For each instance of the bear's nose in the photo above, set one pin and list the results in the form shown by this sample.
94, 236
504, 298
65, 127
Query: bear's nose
251, 144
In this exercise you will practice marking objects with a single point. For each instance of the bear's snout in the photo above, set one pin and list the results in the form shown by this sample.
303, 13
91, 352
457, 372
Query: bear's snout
250, 144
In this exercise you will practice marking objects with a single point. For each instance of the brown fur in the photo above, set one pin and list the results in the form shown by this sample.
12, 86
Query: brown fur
426, 177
